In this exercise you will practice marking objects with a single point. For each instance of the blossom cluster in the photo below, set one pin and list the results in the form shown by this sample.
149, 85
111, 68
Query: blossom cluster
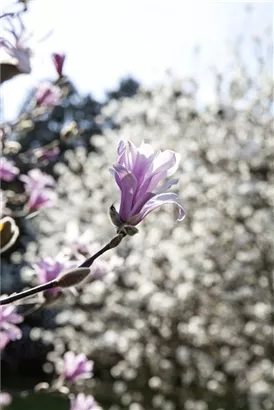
190, 301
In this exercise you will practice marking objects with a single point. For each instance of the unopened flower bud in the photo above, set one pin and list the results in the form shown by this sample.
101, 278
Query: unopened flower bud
72, 277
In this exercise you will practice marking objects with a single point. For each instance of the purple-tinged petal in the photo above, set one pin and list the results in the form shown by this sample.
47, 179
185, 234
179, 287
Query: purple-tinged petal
8, 171
143, 199
40, 199
155, 202
128, 186
82, 402
58, 61
121, 147
13, 332
4, 339
166, 161
165, 187
35, 179
76, 367
47, 94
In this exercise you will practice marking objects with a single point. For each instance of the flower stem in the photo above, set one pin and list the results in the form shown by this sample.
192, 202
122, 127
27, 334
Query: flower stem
54, 283
112, 244
28, 292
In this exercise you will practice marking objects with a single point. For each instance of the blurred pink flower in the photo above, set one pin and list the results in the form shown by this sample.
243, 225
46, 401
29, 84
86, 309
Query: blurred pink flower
138, 172
5, 399
8, 171
48, 269
82, 402
47, 94
48, 154
17, 49
76, 367
58, 60
99, 269
8, 321
36, 184
35, 179
39, 198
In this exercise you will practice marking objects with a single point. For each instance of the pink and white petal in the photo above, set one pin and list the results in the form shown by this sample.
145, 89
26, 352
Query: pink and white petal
4, 340
146, 150
132, 155
142, 168
141, 201
155, 202
13, 332
165, 161
166, 186
128, 187
119, 173
15, 318
121, 147
69, 363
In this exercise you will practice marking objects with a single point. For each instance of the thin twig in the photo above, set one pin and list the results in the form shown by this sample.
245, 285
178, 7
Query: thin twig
28, 292
54, 283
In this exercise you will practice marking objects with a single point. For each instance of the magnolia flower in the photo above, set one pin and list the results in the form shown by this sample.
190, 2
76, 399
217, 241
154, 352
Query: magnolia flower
138, 172
82, 402
8, 321
8, 171
49, 268
17, 49
39, 199
47, 94
36, 183
76, 367
47, 153
37, 180
58, 61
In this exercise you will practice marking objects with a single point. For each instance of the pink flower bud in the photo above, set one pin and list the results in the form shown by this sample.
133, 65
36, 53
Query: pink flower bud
58, 60
138, 172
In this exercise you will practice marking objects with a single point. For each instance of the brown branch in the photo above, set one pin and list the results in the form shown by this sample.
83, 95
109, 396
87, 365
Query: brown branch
62, 279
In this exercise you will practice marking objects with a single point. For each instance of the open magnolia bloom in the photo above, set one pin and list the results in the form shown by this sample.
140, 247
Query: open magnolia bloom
37, 180
138, 172
76, 366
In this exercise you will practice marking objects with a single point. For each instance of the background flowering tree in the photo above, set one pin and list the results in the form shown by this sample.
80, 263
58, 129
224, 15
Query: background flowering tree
179, 316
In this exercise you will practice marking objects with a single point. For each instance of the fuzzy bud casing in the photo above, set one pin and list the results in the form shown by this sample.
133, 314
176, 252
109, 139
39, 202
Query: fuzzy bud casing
72, 277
